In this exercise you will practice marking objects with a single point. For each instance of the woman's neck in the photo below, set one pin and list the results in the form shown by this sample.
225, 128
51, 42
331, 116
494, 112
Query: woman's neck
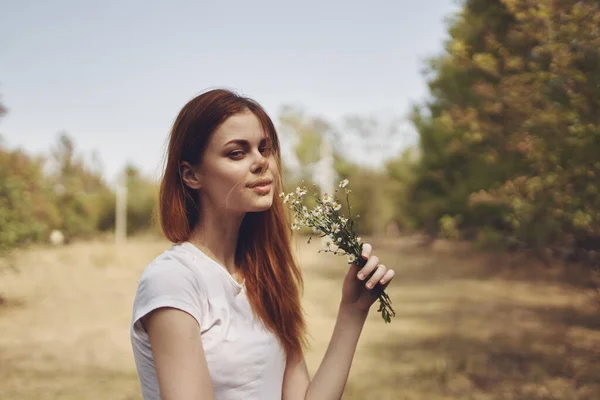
217, 236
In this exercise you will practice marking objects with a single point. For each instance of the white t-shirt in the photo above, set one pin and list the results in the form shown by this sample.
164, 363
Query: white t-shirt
245, 360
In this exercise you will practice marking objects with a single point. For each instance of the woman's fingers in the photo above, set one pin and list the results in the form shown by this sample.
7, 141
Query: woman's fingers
366, 251
377, 276
387, 277
368, 268
377, 273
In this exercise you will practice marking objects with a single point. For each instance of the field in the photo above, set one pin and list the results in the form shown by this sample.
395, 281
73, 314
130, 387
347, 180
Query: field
468, 325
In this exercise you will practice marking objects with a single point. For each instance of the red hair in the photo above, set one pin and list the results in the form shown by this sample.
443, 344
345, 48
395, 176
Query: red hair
273, 280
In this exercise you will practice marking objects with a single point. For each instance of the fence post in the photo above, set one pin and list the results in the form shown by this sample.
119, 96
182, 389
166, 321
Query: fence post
326, 171
121, 210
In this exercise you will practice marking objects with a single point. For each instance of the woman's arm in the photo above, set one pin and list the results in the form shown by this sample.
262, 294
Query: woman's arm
181, 366
357, 297
330, 379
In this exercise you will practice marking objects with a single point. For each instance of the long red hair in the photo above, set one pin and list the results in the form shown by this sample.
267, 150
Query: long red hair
272, 278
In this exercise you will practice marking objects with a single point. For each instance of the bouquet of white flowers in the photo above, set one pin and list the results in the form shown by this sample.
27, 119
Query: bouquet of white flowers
337, 231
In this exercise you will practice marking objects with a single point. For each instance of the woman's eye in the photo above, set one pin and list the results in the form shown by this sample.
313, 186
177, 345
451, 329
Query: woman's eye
236, 154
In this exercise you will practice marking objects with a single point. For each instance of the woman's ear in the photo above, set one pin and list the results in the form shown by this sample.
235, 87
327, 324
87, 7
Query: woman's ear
190, 175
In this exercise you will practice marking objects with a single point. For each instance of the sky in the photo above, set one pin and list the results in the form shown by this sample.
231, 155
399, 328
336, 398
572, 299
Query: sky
114, 74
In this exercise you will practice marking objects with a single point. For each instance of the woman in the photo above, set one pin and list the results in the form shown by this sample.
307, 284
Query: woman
218, 315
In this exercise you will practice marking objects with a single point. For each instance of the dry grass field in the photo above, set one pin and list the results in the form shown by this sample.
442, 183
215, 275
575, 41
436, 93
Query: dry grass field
468, 326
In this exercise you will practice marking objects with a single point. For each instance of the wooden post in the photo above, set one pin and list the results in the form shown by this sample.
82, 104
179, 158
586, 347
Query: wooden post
326, 173
121, 210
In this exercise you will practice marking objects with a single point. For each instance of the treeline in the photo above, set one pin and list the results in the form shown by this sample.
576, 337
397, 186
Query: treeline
510, 137
508, 152
65, 190
61, 191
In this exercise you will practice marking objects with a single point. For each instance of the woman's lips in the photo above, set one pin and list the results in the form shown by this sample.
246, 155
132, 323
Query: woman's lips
262, 188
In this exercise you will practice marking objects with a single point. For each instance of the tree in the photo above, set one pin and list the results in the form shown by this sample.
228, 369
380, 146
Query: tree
305, 135
510, 138
371, 197
142, 200
80, 190
27, 211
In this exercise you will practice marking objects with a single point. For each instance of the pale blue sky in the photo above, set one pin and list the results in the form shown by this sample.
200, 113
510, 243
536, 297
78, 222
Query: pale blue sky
114, 74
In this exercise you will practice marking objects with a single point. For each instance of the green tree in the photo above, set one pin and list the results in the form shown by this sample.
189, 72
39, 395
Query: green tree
27, 209
510, 137
142, 201
80, 190
305, 134
372, 190
401, 174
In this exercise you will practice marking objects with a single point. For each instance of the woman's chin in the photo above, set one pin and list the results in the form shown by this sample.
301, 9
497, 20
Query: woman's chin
262, 204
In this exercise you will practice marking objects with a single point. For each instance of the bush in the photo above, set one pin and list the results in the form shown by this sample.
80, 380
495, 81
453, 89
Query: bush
142, 201
28, 210
509, 137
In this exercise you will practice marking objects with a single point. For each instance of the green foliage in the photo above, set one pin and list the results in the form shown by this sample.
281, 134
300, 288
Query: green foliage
371, 199
401, 174
373, 191
26, 215
142, 200
510, 140
378, 196
62, 191
449, 227
306, 133
81, 192
489, 238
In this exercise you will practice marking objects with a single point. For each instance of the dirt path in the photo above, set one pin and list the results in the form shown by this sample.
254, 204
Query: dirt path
461, 332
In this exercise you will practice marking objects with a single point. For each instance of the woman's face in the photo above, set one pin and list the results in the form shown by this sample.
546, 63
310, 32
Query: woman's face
238, 171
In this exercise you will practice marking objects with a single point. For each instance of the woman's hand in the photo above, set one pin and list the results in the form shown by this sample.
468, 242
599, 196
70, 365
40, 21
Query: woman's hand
358, 292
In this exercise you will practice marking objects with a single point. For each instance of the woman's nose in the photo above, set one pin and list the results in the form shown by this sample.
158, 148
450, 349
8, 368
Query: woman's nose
261, 165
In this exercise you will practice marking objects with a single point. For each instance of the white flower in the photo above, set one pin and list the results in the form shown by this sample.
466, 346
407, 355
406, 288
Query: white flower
282, 194
327, 243
350, 258
304, 209
316, 230
317, 211
337, 206
327, 198
287, 198
338, 240
343, 220
300, 191
344, 183
358, 239
335, 227
295, 227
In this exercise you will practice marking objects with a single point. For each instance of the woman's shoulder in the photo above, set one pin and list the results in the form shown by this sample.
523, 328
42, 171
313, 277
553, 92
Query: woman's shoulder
184, 265
172, 279
175, 264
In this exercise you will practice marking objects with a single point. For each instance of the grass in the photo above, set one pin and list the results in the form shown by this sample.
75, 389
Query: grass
468, 326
